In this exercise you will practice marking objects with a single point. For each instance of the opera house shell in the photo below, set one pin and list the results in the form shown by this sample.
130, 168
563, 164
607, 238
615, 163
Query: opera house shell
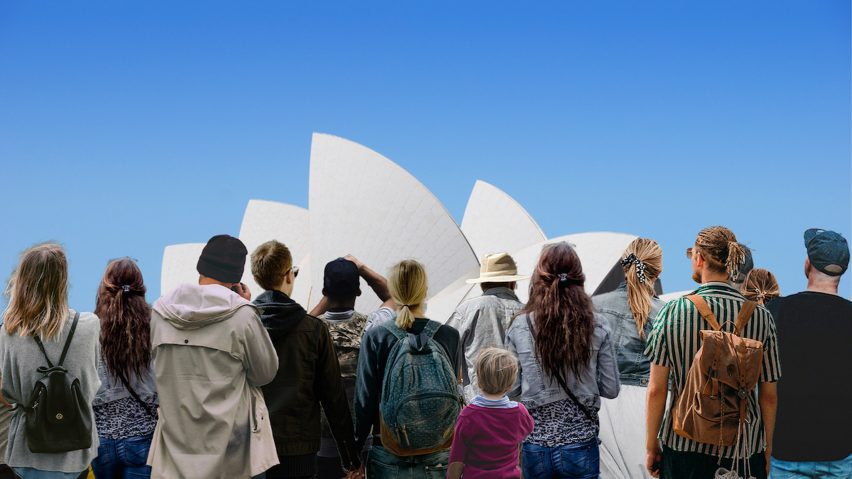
392, 216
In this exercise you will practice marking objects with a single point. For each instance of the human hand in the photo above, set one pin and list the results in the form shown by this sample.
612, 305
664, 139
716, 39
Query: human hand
242, 290
358, 263
653, 460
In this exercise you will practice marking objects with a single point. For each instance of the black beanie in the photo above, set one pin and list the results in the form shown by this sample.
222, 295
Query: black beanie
223, 259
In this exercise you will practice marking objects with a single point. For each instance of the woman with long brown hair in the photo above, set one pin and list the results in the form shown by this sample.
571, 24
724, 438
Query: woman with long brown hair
125, 406
41, 336
566, 364
629, 312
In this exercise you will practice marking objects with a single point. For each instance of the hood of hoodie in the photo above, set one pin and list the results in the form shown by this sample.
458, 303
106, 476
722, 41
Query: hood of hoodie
279, 313
193, 306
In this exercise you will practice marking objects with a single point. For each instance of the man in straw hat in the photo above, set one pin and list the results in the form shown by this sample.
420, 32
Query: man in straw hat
482, 321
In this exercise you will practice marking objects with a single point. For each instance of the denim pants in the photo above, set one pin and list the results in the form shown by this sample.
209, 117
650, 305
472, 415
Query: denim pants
841, 469
381, 464
123, 458
31, 473
571, 461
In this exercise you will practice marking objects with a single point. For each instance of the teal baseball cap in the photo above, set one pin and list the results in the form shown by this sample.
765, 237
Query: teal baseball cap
828, 251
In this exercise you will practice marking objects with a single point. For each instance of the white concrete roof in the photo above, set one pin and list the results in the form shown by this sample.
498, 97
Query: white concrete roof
179, 265
363, 204
675, 295
494, 222
266, 220
598, 253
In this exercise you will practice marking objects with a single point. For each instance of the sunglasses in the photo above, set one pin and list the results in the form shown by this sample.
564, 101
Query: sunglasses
295, 270
691, 251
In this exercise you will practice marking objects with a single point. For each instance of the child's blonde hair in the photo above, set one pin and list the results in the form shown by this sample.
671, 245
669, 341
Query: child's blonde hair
496, 370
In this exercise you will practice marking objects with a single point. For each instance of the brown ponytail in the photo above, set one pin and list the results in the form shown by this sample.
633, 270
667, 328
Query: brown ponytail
720, 249
760, 286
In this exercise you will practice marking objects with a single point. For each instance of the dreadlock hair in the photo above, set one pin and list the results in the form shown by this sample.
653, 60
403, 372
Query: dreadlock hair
640, 291
125, 319
562, 313
720, 249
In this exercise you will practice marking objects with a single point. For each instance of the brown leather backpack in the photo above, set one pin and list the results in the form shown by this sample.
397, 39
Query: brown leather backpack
714, 403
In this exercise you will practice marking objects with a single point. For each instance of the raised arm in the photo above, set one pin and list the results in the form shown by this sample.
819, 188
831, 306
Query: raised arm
377, 282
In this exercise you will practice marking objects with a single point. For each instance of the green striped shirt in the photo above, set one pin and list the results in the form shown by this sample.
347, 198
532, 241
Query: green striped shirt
676, 338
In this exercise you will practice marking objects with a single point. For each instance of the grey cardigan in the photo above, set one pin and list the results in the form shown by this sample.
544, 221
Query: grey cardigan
19, 359
534, 388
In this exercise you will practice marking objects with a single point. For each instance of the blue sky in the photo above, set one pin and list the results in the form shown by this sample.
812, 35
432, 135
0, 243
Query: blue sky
128, 126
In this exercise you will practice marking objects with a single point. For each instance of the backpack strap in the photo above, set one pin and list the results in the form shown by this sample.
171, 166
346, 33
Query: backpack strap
704, 310
744, 316
68, 340
391, 326
135, 396
419, 341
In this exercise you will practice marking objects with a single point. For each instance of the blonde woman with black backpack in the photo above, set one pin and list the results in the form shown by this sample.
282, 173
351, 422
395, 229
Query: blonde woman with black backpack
48, 359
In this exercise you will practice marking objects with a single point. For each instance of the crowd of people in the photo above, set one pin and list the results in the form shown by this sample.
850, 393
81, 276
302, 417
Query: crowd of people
208, 382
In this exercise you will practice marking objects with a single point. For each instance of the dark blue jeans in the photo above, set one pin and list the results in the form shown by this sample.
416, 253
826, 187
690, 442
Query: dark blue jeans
571, 461
123, 458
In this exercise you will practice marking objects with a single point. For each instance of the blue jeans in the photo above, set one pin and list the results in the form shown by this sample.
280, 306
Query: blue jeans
31, 473
123, 458
841, 469
571, 461
381, 464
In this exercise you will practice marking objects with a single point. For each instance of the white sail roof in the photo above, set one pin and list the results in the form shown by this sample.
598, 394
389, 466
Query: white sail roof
494, 222
179, 265
363, 204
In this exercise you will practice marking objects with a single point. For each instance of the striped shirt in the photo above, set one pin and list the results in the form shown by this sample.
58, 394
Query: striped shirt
676, 338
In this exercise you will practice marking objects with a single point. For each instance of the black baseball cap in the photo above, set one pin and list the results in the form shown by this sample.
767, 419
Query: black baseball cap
828, 251
341, 278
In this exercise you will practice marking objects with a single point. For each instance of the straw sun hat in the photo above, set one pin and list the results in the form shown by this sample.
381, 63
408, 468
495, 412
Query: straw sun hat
498, 268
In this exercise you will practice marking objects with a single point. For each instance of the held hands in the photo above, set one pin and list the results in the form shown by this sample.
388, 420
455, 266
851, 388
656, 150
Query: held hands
653, 460
356, 473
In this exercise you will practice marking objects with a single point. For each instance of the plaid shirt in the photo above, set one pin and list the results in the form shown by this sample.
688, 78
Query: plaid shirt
676, 338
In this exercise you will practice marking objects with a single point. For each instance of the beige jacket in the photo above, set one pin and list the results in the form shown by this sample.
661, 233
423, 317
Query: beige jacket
210, 353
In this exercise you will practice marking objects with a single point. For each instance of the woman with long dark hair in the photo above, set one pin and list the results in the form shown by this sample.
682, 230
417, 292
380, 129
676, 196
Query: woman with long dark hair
125, 406
567, 364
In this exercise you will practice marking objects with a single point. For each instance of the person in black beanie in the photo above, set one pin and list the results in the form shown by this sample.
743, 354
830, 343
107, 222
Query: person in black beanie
211, 354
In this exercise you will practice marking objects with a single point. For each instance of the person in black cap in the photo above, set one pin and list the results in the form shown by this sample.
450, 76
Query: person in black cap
341, 287
211, 354
309, 379
814, 328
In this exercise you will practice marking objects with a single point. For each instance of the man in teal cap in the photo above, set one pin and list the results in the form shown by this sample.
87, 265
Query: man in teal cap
814, 327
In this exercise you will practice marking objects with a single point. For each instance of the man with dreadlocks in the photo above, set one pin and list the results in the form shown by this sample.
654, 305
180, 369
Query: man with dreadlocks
672, 346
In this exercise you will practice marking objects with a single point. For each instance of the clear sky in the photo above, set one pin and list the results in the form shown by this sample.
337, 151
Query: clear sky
127, 126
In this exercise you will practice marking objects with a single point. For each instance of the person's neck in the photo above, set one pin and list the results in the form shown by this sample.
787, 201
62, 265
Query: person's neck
713, 277
818, 287
492, 397
341, 305
208, 281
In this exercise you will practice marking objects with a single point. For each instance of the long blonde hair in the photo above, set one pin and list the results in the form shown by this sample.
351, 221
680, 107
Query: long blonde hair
38, 293
408, 285
721, 250
640, 280
760, 285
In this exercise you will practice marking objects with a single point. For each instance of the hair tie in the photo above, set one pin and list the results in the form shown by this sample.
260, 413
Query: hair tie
125, 288
409, 306
563, 278
640, 266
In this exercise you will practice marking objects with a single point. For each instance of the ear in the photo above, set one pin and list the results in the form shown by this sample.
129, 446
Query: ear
807, 267
324, 293
358, 293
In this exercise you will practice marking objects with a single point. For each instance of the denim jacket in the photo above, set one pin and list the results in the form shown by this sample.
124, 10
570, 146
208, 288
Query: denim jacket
112, 388
535, 389
482, 322
633, 365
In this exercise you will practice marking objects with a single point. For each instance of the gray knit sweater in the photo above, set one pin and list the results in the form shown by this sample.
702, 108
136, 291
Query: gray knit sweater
20, 357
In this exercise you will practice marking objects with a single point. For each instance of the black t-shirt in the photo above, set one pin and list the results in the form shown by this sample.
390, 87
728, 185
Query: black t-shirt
815, 390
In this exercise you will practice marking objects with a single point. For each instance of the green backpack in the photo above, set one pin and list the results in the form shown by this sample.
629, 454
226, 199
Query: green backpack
420, 395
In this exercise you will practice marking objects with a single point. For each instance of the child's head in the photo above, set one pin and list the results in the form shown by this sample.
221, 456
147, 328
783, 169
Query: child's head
496, 371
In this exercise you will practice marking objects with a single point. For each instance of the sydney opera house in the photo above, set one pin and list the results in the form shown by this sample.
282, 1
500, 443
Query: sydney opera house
392, 216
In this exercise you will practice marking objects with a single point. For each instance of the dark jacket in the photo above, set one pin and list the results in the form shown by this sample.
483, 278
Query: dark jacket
376, 346
308, 376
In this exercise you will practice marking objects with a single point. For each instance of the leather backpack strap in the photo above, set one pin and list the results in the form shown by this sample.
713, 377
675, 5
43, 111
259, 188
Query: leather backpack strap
68, 340
43, 352
704, 310
744, 316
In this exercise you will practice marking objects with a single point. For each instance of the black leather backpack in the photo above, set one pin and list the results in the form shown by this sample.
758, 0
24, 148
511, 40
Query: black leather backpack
59, 418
